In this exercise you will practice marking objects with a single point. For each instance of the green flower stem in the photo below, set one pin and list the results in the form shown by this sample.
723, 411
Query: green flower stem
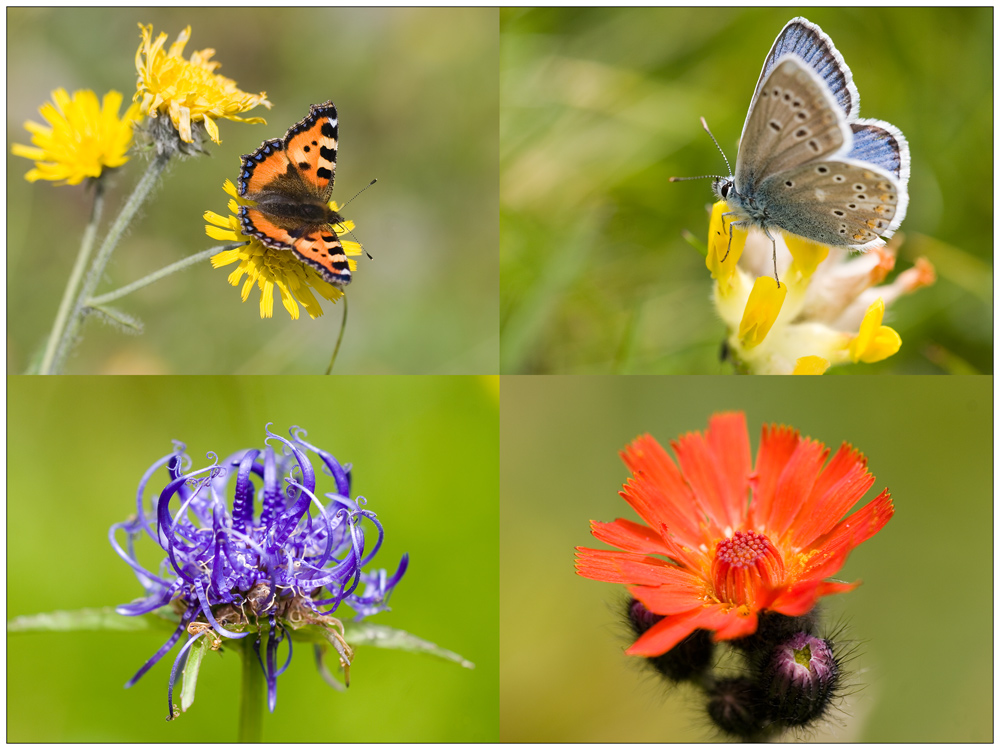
251, 695
73, 285
157, 275
343, 325
142, 191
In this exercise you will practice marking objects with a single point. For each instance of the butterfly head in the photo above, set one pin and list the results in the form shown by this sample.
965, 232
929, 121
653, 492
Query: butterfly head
723, 187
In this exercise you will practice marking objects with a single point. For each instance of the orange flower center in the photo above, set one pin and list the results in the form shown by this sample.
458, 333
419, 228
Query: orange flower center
743, 564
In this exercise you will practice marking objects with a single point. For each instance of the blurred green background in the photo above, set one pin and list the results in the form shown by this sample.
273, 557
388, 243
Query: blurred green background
425, 456
923, 616
417, 95
600, 107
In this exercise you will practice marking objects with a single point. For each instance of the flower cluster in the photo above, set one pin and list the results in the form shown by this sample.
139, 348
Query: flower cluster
262, 555
827, 310
741, 551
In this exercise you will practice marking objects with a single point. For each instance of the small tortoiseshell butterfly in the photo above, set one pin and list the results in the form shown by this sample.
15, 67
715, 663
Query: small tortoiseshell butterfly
291, 180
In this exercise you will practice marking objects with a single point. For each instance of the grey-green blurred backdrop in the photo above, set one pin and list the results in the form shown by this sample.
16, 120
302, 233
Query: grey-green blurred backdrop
924, 616
600, 107
416, 91
424, 451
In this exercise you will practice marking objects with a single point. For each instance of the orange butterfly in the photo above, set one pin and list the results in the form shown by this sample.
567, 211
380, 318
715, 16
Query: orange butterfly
291, 180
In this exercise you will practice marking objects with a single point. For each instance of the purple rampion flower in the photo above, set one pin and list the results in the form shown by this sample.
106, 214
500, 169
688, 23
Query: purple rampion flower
261, 558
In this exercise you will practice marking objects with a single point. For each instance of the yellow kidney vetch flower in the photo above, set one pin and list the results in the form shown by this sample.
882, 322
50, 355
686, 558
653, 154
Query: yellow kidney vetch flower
828, 309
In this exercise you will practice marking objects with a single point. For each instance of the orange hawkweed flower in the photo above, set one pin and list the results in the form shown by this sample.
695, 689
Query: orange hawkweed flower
725, 540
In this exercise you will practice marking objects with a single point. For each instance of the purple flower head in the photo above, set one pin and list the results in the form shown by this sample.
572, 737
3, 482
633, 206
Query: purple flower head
252, 550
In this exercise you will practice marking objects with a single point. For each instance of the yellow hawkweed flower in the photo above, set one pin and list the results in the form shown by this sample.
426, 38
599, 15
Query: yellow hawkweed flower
827, 311
188, 90
269, 268
85, 137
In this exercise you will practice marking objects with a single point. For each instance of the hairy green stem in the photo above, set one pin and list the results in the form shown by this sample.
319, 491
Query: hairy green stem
73, 285
251, 695
157, 275
340, 337
142, 191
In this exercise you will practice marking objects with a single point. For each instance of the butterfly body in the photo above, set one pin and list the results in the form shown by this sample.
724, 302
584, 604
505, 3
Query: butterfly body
290, 180
806, 163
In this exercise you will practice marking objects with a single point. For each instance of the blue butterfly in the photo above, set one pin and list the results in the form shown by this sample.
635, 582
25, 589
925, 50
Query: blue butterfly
806, 163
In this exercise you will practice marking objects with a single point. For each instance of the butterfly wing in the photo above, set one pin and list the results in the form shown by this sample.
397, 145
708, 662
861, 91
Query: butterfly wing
264, 167
320, 248
311, 145
316, 245
841, 203
883, 145
807, 41
795, 121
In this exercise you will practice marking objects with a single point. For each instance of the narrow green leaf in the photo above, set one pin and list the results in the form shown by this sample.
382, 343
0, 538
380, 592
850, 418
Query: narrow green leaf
363, 634
190, 678
104, 618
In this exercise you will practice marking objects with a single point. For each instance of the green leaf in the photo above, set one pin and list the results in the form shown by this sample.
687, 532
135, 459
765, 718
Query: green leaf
104, 618
363, 634
190, 678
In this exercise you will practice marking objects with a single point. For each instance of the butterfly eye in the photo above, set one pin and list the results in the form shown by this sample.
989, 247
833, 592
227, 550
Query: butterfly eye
724, 190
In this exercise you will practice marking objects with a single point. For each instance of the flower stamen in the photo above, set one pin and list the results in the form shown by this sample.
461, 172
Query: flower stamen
743, 563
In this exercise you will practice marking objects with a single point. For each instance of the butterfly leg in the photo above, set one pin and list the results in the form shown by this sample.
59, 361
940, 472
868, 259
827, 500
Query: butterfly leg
774, 255
731, 223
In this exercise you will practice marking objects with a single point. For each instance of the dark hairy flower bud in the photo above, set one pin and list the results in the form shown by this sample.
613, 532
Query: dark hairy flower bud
774, 628
799, 679
734, 706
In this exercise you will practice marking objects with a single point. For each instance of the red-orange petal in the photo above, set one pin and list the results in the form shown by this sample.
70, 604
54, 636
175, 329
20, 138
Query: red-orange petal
670, 600
658, 491
670, 631
795, 485
720, 481
842, 483
613, 566
777, 444
737, 626
630, 536
800, 598
860, 526
730, 442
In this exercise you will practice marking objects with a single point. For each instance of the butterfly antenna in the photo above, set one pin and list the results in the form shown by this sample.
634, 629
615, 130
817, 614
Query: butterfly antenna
357, 194
705, 125
356, 239
351, 231
702, 177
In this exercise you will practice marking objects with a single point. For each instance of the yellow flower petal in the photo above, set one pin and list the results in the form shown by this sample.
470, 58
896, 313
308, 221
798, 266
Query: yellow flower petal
806, 254
811, 365
223, 235
762, 308
874, 341
719, 245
